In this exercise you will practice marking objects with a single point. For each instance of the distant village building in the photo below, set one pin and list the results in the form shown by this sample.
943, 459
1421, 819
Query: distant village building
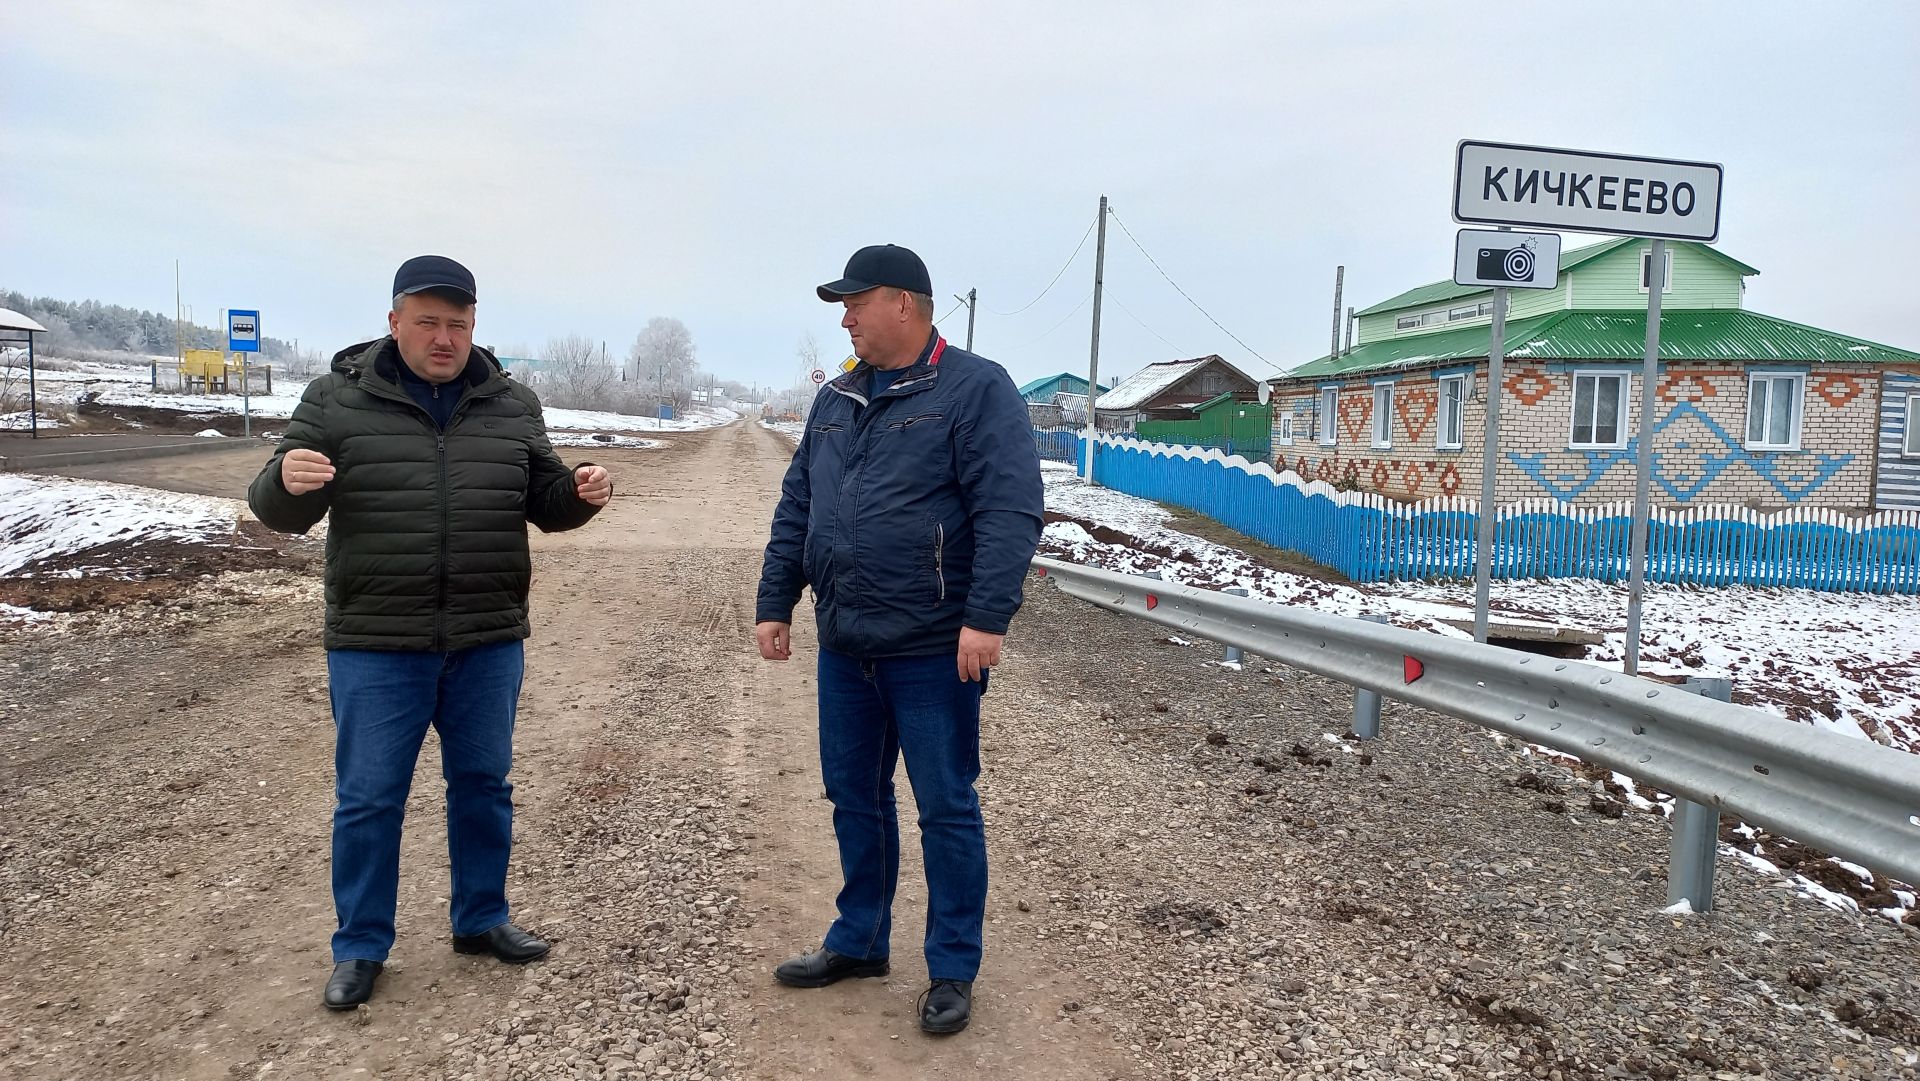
1752, 410
1169, 390
1057, 400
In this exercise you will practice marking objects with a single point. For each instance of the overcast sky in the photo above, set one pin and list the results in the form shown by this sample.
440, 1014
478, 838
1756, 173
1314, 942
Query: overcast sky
597, 164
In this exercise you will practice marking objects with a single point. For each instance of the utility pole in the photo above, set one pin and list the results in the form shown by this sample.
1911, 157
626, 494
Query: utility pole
1339, 283
970, 300
1093, 358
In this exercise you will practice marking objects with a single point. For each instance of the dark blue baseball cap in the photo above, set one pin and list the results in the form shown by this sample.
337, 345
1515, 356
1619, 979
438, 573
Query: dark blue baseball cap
424, 272
877, 265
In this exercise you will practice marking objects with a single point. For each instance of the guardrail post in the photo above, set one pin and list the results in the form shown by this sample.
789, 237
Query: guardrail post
1366, 703
1696, 827
1233, 654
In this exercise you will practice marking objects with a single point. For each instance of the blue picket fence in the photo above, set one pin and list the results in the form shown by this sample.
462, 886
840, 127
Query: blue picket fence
1369, 538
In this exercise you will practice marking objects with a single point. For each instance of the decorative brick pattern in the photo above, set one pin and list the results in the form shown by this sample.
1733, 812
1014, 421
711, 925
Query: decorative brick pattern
1417, 406
1690, 386
1530, 385
1699, 456
1838, 390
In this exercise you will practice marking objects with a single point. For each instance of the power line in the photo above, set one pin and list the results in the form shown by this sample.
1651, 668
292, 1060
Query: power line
1056, 326
950, 311
1143, 325
1056, 277
1183, 292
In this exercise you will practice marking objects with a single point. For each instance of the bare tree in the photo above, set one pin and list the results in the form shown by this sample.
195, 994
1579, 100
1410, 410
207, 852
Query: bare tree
577, 372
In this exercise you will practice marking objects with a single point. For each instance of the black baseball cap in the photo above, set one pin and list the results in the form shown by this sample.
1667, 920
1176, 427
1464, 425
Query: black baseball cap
877, 265
424, 272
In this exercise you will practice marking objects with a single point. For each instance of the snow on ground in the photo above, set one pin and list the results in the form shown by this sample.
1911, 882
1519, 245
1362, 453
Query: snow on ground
276, 406
601, 439
80, 371
113, 385
1849, 662
23, 422
792, 429
46, 517
699, 418
1846, 662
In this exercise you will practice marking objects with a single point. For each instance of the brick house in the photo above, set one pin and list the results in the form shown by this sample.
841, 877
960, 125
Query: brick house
1753, 410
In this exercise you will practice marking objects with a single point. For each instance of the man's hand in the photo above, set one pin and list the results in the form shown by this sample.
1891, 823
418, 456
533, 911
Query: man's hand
775, 640
979, 651
592, 485
303, 471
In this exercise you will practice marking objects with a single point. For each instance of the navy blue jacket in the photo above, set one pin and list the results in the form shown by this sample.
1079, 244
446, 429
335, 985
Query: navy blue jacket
910, 516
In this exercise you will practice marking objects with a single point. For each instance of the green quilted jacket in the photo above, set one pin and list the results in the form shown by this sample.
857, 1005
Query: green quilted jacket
427, 542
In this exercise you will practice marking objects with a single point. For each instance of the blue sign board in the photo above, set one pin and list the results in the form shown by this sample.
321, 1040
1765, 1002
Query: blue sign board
243, 331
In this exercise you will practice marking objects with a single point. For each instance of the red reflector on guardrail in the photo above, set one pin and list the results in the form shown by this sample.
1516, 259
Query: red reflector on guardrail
1152, 602
1041, 571
1412, 669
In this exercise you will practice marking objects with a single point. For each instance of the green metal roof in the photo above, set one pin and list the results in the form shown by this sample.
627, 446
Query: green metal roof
1437, 292
1726, 334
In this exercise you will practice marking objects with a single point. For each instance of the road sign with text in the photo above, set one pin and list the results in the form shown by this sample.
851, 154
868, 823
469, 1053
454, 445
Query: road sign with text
1587, 192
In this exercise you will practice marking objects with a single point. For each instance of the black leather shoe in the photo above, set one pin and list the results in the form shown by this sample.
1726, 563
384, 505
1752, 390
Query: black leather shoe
823, 966
351, 984
946, 1007
507, 942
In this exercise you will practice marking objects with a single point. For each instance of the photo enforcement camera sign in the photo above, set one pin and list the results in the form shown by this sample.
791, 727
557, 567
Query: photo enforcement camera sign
1516, 260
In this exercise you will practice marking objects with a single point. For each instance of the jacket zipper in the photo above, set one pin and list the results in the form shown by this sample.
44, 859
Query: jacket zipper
940, 557
446, 526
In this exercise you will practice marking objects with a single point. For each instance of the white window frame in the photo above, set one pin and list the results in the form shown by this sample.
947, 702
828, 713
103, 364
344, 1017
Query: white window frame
1646, 263
1910, 446
1329, 416
1283, 434
1625, 379
1440, 441
1383, 396
1799, 381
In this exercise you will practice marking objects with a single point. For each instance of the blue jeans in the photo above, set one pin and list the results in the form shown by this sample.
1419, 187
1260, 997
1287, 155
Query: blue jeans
383, 702
872, 712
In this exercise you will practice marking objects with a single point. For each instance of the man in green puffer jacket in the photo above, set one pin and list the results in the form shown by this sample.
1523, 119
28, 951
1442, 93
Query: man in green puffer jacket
430, 463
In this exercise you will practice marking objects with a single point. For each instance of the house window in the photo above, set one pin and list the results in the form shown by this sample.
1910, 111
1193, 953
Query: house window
1383, 416
1285, 428
1471, 311
1453, 409
1773, 411
1646, 267
1406, 322
1599, 410
1911, 448
1329, 416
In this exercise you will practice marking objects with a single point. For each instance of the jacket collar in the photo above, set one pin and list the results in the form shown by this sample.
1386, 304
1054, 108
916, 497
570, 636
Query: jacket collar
376, 364
916, 377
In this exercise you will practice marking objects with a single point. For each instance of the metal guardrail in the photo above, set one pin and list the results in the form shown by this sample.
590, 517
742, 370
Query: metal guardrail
1848, 796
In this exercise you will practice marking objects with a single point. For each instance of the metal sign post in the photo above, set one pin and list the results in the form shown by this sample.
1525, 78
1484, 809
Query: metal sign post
1660, 198
1489, 465
1643, 464
1503, 260
243, 337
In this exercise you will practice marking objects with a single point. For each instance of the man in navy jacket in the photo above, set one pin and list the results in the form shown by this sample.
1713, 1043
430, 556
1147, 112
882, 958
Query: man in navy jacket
912, 509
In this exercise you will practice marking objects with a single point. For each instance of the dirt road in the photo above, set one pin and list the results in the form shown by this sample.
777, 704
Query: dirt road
166, 894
